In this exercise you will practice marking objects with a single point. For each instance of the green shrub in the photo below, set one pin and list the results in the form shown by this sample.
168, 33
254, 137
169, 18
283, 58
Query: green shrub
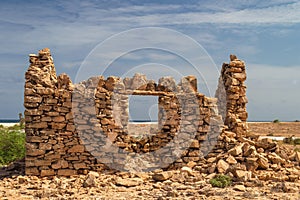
288, 140
16, 127
291, 140
297, 141
12, 145
276, 121
220, 181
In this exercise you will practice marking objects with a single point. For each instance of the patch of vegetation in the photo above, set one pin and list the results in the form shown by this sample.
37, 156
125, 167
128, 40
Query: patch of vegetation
297, 149
297, 141
12, 144
276, 121
16, 127
270, 134
291, 141
296, 120
220, 181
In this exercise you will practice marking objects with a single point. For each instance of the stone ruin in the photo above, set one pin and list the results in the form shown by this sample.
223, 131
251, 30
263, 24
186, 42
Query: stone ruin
75, 128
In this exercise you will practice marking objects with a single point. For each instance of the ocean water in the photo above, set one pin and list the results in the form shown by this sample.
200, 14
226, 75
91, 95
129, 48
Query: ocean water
8, 122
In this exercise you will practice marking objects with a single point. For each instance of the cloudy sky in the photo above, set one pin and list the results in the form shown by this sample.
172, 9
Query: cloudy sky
266, 34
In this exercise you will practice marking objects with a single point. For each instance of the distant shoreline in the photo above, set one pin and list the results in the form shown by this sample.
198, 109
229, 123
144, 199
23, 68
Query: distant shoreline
9, 121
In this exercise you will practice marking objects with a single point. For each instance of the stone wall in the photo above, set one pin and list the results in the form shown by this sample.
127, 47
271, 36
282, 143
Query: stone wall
231, 93
74, 128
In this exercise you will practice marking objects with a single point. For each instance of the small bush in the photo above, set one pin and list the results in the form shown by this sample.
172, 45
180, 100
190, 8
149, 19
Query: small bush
220, 181
12, 145
292, 141
297, 141
276, 121
297, 149
16, 127
288, 140
270, 134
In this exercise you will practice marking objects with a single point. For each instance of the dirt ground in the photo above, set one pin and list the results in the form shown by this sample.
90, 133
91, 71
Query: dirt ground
286, 129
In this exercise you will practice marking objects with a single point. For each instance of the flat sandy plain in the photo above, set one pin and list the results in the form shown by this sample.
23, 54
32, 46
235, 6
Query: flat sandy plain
286, 129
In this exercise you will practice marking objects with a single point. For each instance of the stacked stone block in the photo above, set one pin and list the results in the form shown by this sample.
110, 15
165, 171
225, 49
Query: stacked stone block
232, 96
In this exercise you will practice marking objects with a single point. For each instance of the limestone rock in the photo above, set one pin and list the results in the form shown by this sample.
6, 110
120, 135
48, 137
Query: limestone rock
297, 156
162, 176
231, 160
166, 84
129, 182
139, 82
237, 150
91, 179
262, 162
233, 57
240, 188
222, 166
187, 170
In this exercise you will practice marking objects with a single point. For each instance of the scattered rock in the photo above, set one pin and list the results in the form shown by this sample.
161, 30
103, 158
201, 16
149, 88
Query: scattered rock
129, 182
240, 188
222, 166
187, 170
91, 179
237, 150
162, 176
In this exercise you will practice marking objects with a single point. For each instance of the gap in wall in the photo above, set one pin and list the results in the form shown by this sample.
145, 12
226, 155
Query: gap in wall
143, 115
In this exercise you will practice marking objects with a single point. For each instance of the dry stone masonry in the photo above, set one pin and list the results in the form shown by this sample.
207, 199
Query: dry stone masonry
76, 128
231, 93
69, 126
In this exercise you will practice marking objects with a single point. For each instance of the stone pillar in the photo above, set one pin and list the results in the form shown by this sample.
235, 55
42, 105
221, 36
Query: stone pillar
232, 87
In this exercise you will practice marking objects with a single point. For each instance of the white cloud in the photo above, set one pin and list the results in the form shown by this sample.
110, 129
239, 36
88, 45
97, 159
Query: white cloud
72, 28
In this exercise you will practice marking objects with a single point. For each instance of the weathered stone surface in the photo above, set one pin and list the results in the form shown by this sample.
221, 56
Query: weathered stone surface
231, 160
47, 172
162, 176
240, 188
297, 156
222, 166
262, 162
76, 148
80, 166
237, 150
139, 82
129, 182
35, 152
66, 172
91, 179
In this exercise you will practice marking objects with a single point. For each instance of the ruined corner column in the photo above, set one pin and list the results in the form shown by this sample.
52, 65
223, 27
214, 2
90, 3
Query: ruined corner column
232, 96
40, 81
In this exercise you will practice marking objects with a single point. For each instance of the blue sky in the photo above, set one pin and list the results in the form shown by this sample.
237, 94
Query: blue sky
266, 34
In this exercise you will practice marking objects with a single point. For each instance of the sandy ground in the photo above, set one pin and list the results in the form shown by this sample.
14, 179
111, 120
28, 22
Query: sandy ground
8, 124
286, 129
